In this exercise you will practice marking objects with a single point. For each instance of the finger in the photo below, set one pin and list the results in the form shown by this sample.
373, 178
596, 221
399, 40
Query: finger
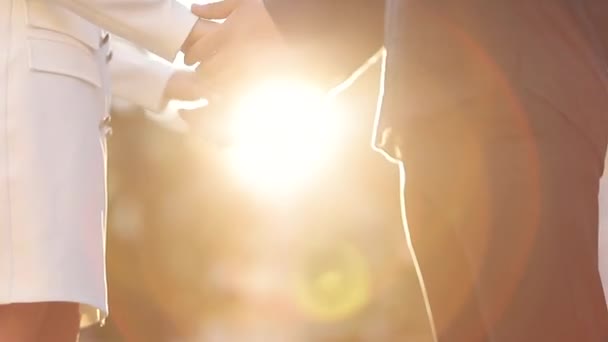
214, 10
195, 91
201, 28
224, 80
215, 90
213, 66
184, 92
183, 86
187, 86
208, 45
231, 58
206, 90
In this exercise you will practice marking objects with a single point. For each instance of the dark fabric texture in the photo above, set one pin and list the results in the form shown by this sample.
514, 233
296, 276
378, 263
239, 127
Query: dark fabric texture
443, 52
501, 203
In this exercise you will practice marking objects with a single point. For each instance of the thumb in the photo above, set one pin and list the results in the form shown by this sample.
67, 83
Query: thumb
214, 10
184, 85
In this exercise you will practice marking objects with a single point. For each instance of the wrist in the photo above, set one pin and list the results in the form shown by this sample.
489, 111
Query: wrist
182, 85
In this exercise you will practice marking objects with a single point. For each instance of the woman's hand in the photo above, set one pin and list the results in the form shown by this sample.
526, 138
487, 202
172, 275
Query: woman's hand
183, 85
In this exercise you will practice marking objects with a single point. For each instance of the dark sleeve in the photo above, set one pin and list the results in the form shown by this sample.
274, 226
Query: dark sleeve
330, 39
598, 12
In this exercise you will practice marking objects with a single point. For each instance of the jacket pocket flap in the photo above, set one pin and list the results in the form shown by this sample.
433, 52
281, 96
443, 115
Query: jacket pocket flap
64, 59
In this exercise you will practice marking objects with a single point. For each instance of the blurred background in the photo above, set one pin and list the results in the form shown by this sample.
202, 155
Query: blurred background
293, 234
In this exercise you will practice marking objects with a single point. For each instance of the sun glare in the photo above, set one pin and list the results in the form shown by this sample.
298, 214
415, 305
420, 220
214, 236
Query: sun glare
285, 133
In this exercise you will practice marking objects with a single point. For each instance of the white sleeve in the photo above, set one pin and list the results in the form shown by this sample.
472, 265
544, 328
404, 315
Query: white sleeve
136, 77
160, 26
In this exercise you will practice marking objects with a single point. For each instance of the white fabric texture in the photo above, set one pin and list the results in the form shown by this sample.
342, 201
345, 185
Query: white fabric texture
54, 102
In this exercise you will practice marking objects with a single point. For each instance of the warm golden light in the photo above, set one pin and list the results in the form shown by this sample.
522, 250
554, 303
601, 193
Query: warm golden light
336, 288
284, 134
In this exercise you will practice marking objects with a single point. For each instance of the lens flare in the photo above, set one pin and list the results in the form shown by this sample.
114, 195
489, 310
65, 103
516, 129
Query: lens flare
284, 134
336, 286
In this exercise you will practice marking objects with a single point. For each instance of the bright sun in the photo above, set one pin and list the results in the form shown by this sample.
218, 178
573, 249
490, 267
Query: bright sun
285, 132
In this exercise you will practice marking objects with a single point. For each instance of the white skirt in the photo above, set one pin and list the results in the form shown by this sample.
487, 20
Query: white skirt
52, 171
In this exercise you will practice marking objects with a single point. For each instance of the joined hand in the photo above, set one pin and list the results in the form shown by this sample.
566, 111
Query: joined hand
232, 55
245, 44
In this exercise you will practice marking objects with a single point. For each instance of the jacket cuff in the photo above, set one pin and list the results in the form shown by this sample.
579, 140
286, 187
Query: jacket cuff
154, 99
149, 89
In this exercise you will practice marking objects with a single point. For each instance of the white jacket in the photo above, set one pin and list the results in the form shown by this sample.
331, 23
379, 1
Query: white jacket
137, 78
54, 103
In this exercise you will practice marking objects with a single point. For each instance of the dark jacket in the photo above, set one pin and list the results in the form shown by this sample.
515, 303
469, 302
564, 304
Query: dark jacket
443, 52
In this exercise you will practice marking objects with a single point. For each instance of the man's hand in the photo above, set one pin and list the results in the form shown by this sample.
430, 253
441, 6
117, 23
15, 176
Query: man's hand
216, 10
246, 43
201, 28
